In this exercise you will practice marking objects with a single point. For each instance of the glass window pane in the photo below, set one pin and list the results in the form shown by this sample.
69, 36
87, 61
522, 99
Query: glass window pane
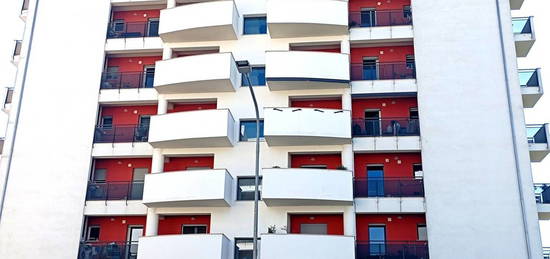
245, 189
375, 181
100, 175
248, 130
377, 240
93, 233
139, 174
256, 76
255, 25
153, 30
193, 229
243, 248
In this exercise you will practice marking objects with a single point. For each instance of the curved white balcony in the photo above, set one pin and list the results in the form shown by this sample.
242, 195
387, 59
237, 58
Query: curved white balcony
197, 74
306, 126
302, 70
206, 21
193, 129
211, 246
191, 188
306, 187
300, 246
307, 18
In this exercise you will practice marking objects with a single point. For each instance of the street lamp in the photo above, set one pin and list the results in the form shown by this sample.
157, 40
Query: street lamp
243, 66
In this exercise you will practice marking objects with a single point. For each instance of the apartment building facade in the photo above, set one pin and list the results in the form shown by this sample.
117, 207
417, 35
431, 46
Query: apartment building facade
390, 129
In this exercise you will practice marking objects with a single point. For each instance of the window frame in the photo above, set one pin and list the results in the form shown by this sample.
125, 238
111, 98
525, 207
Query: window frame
244, 82
88, 232
260, 29
239, 196
418, 227
244, 138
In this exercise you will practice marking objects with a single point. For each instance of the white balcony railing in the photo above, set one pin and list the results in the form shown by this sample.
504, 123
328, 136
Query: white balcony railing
205, 21
193, 129
306, 126
302, 187
191, 188
300, 246
197, 74
211, 246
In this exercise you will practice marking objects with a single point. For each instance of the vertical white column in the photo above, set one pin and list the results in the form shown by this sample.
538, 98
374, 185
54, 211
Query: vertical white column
346, 99
166, 53
152, 223
170, 3
162, 107
349, 221
345, 47
157, 163
347, 156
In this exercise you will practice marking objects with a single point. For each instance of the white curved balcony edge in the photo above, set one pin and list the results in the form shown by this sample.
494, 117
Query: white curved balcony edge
307, 18
306, 126
211, 246
300, 246
197, 74
306, 187
191, 188
193, 129
302, 70
207, 21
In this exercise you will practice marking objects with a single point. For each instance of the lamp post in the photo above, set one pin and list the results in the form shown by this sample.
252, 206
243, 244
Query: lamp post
244, 68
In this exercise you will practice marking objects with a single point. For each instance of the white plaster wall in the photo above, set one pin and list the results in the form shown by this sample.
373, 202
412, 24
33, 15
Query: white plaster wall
467, 147
45, 198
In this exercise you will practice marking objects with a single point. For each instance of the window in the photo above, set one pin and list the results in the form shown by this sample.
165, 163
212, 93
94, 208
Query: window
245, 189
100, 175
377, 240
248, 130
149, 78
193, 229
256, 76
370, 68
112, 73
375, 180
368, 17
422, 233
153, 27
255, 25
107, 122
93, 233
410, 61
413, 113
407, 12
118, 25
139, 174
243, 248
313, 229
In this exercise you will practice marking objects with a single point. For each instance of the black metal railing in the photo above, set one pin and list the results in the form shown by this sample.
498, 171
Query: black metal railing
521, 25
385, 127
536, 134
132, 30
114, 191
529, 78
383, 71
125, 80
388, 187
392, 250
121, 133
375, 18
108, 250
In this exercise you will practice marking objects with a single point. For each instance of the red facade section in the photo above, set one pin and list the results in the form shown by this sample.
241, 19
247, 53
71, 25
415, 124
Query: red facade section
331, 161
136, 16
384, 54
183, 107
184, 163
114, 229
132, 64
128, 115
327, 104
396, 165
172, 225
335, 223
389, 107
121, 170
357, 5
399, 227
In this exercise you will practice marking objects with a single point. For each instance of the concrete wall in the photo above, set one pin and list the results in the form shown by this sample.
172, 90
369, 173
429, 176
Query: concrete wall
472, 200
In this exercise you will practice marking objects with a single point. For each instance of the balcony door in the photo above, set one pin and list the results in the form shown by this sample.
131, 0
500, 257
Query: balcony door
137, 183
368, 17
377, 240
370, 68
375, 180
153, 27
372, 123
149, 76
142, 131
134, 232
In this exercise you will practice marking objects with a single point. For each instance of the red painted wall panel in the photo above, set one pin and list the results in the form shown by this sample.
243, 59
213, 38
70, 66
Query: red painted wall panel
132, 64
384, 54
335, 223
398, 227
136, 16
391, 168
356, 5
115, 228
182, 163
389, 107
327, 104
183, 107
332, 161
172, 225
128, 115
121, 169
